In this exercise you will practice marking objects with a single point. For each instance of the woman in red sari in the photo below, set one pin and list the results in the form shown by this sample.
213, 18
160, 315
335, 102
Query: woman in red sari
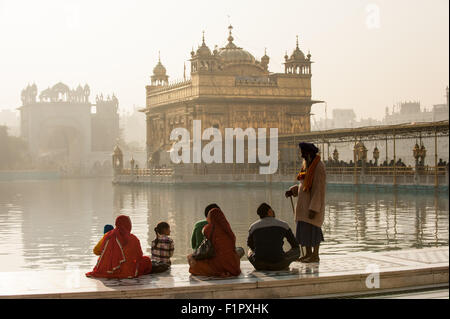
121, 254
226, 262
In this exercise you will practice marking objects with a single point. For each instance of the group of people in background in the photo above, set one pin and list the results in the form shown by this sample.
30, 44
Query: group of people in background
121, 256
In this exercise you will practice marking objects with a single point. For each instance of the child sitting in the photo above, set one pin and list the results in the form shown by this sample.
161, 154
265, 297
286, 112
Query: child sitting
107, 228
162, 246
97, 248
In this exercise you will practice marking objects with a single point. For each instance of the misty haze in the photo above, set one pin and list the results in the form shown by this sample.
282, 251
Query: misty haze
94, 95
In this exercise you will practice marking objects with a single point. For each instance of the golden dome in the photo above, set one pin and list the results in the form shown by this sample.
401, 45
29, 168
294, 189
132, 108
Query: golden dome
265, 58
159, 69
297, 54
203, 50
233, 54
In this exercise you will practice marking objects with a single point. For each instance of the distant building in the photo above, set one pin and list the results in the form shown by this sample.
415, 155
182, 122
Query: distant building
65, 131
10, 119
105, 123
406, 112
441, 111
343, 118
133, 127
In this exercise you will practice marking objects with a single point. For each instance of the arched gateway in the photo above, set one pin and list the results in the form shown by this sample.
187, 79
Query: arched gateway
65, 131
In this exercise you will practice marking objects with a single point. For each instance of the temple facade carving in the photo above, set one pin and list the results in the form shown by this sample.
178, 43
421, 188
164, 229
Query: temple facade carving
230, 88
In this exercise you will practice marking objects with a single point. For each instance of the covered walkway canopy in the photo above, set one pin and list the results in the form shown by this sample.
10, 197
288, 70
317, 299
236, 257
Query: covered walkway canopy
372, 133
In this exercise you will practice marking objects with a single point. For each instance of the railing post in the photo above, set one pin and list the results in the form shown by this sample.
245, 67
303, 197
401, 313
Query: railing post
355, 179
446, 174
436, 181
387, 150
395, 163
295, 155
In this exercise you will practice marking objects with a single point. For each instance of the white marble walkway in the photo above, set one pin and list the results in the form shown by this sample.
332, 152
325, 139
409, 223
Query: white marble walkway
358, 272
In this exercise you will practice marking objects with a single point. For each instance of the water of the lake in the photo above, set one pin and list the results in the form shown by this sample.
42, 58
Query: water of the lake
54, 224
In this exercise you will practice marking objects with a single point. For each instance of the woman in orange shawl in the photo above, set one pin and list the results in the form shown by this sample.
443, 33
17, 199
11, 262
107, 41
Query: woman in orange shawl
121, 254
226, 262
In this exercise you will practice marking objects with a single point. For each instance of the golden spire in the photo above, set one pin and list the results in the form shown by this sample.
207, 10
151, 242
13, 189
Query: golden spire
230, 37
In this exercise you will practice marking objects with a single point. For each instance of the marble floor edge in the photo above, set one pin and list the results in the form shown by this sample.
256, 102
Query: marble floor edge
178, 280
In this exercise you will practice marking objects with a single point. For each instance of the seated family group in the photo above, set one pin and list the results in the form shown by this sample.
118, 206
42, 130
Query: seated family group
121, 256
213, 241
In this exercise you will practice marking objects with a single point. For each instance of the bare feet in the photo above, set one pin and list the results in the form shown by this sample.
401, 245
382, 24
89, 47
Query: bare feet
312, 259
302, 259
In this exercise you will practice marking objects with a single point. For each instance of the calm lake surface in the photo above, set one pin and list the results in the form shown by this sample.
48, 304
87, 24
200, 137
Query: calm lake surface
54, 224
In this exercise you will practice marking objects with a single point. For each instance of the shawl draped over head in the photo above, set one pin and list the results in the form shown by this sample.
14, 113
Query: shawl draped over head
226, 262
218, 220
114, 242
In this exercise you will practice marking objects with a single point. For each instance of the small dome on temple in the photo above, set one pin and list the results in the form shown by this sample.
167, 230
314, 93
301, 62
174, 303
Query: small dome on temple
297, 54
159, 76
203, 50
159, 69
265, 59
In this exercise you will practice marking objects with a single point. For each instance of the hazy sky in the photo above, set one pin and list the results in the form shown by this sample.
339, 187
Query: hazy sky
367, 54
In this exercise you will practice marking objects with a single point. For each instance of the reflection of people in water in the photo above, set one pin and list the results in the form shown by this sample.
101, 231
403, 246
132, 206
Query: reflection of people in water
310, 210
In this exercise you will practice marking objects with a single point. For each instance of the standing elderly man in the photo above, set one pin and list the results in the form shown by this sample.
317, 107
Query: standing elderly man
310, 210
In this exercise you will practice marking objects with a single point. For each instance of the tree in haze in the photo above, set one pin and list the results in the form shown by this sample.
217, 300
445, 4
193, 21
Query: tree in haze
13, 151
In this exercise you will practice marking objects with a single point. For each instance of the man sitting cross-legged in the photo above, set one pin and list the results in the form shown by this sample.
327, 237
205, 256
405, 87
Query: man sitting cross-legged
266, 239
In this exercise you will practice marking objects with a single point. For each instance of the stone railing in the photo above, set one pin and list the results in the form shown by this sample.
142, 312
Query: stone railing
170, 86
147, 171
255, 81
386, 170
